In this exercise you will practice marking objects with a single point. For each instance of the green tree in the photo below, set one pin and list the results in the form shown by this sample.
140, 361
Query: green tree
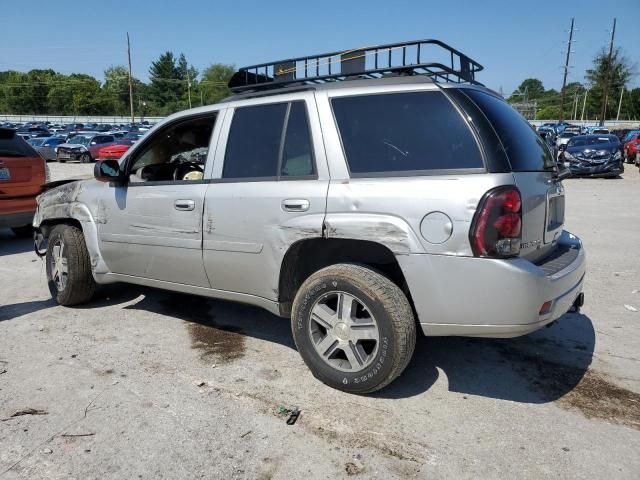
529, 89
214, 82
550, 112
616, 75
78, 94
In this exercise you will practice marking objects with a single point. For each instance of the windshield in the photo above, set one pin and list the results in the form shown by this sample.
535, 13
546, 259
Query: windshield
79, 140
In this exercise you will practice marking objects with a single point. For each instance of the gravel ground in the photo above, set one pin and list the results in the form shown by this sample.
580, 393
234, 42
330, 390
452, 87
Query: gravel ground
143, 383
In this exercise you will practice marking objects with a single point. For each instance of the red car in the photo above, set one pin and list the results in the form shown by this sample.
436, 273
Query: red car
23, 172
631, 148
113, 151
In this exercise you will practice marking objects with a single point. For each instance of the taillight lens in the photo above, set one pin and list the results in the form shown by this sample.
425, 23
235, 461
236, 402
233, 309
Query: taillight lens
497, 225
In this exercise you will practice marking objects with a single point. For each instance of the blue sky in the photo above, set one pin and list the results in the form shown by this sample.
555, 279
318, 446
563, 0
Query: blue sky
513, 40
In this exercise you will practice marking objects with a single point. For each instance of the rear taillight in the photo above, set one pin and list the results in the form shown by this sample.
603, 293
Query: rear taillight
497, 225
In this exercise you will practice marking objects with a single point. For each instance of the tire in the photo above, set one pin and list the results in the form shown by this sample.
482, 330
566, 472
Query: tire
60, 161
378, 302
85, 158
77, 284
25, 231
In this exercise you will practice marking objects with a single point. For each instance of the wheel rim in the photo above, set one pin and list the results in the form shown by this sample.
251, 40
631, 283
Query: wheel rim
343, 332
59, 268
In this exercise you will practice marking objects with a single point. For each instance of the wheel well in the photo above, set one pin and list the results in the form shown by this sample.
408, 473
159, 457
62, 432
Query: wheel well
308, 256
47, 225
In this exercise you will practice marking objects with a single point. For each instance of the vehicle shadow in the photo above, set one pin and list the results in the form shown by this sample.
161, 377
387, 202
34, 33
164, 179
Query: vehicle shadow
216, 314
537, 368
12, 245
7, 312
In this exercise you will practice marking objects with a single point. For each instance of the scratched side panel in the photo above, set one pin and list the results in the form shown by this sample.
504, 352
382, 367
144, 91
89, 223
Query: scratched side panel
390, 210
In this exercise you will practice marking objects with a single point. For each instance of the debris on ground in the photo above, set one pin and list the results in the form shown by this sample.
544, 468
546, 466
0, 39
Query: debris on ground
27, 411
246, 433
355, 466
293, 417
47, 450
282, 410
199, 383
3, 371
90, 434
631, 308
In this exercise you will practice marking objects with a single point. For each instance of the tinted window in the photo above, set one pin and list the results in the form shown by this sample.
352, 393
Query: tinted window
404, 132
297, 159
12, 145
525, 149
253, 147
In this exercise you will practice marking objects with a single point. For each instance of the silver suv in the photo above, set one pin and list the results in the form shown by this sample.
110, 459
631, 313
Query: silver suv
364, 209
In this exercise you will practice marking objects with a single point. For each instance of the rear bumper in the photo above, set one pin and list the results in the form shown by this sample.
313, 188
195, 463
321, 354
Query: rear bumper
482, 297
16, 219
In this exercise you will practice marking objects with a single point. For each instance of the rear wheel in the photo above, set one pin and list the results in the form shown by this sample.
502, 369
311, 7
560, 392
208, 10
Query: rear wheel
85, 158
68, 266
353, 327
23, 232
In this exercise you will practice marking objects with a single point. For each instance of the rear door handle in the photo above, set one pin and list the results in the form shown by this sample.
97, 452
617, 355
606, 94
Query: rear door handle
295, 205
184, 205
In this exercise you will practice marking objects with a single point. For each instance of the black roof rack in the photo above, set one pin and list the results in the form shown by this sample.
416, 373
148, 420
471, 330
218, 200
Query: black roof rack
406, 58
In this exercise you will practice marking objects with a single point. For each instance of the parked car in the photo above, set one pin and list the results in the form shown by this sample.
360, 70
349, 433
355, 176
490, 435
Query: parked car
82, 147
22, 174
46, 146
593, 156
346, 206
114, 151
564, 137
631, 148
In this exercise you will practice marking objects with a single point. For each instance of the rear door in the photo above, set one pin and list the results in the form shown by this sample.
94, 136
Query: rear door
268, 190
21, 168
534, 172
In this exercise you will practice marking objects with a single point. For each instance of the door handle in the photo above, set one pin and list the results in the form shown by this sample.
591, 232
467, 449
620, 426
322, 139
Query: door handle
185, 205
295, 205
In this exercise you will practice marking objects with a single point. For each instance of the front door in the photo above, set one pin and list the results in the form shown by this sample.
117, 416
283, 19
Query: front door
152, 226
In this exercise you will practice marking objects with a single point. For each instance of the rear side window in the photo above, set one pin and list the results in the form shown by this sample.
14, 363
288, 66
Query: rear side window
524, 147
269, 142
12, 145
403, 133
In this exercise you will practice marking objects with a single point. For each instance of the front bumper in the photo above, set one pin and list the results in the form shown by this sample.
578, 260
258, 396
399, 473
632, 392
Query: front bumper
69, 155
608, 169
483, 297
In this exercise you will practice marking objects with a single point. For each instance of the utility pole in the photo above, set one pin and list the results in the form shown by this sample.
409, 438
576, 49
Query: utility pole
189, 86
574, 108
603, 113
201, 100
130, 79
584, 104
620, 103
566, 71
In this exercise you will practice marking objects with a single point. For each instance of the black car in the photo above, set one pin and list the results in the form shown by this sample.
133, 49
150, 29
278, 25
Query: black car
593, 156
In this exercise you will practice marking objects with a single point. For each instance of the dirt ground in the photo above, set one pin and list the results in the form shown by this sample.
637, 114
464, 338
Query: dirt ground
143, 383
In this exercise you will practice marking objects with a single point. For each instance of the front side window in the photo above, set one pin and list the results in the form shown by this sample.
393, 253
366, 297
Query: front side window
404, 133
269, 142
176, 153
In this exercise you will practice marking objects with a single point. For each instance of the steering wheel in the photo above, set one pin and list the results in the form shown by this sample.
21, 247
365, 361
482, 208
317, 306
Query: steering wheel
183, 169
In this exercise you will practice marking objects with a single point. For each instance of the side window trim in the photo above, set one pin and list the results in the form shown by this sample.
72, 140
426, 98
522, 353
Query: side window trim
285, 126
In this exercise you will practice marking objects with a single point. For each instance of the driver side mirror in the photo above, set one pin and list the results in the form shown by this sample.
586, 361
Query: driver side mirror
108, 171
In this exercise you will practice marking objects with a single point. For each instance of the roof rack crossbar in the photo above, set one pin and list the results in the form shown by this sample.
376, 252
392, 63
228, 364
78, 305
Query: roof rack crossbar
368, 62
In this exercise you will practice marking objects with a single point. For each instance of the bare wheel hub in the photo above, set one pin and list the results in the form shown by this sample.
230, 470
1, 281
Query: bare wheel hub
343, 331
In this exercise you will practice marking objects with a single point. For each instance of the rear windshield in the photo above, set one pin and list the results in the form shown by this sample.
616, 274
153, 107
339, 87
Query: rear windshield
12, 145
404, 133
527, 152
